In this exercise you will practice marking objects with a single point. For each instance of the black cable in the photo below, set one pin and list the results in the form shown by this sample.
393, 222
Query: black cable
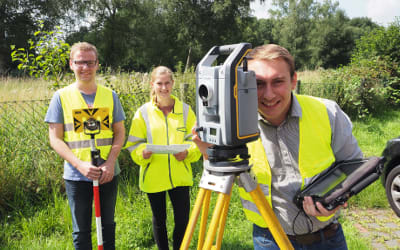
308, 220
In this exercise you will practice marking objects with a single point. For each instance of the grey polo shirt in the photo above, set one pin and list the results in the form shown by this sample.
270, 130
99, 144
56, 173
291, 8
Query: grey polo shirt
281, 145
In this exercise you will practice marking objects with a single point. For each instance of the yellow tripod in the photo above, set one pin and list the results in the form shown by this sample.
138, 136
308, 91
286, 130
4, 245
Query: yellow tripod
221, 179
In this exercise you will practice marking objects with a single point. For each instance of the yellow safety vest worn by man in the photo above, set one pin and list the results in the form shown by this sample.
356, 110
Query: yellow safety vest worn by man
72, 99
309, 133
162, 172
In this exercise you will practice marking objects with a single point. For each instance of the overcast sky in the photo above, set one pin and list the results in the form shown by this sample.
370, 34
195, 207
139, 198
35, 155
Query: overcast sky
382, 12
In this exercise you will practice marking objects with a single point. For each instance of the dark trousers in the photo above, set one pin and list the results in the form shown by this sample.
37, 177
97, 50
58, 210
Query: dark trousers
80, 198
180, 200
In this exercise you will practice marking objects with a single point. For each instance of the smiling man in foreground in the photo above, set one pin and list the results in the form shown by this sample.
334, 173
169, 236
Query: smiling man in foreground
300, 137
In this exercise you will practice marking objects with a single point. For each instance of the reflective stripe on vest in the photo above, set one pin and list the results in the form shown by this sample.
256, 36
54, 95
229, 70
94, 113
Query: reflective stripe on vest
137, 140
86, 143
314, 150
149, 139
143, 111
79, 143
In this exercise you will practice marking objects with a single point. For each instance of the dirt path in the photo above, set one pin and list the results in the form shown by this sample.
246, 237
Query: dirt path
380, 226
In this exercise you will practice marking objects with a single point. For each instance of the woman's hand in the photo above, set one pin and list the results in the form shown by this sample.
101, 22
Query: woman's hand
147, 154
181, 155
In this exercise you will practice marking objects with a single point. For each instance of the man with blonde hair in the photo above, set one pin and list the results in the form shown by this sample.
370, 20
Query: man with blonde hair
74, 148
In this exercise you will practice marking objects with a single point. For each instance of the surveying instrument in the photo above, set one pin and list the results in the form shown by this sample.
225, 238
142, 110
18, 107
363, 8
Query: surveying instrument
226, 108
91, 121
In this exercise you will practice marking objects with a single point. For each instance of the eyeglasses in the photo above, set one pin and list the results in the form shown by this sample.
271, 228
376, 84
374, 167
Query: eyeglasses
90, 64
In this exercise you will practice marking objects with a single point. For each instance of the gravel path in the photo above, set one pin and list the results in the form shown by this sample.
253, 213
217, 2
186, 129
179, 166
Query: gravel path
381, 226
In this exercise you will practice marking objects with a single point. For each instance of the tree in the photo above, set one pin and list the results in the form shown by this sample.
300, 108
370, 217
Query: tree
258, 32
200, 25
331, 39
19, 19
294, 24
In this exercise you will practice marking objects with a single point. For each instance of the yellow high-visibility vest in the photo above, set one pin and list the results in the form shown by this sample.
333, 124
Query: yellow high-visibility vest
315, 154
79, 143
162, 172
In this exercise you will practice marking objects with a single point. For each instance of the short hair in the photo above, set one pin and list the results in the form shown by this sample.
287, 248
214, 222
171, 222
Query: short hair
159, 70
271, 52
82, 46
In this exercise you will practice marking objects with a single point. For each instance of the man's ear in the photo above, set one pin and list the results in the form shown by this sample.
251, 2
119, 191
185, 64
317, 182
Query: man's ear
294, 81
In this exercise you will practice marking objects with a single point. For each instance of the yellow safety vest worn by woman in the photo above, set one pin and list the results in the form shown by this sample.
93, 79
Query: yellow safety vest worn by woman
162, 172
315, 154
79, 143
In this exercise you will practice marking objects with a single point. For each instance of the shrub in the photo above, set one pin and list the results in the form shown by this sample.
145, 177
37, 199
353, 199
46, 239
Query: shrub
372, 80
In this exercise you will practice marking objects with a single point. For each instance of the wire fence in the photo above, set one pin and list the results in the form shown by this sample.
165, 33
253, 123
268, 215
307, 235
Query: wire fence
22, 125
23, 130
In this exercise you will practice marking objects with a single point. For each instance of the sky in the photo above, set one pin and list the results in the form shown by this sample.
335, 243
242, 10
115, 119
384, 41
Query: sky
383, 12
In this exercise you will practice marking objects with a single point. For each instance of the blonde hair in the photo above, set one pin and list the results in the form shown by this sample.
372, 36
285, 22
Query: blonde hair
82, 46
160, 70
271, 52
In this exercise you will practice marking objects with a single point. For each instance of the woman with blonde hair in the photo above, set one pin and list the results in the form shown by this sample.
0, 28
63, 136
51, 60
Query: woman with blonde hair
164, 120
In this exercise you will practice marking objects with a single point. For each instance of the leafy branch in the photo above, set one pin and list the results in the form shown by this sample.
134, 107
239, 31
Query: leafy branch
47, 56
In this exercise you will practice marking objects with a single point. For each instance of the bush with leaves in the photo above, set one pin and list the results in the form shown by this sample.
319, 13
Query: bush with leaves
46, 57
362, 88
372, 80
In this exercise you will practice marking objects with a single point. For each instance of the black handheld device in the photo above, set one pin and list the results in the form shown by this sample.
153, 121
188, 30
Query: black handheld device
341, 181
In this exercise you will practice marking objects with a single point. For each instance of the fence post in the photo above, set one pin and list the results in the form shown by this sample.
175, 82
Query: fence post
184, 88
298, 87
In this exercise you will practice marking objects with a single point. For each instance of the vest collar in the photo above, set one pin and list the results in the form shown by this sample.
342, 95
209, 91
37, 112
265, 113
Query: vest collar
177, 109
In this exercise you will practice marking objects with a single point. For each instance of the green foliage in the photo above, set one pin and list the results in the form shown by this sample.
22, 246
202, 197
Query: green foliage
371, 81
29, 169
45, 58
361, 89
383, 42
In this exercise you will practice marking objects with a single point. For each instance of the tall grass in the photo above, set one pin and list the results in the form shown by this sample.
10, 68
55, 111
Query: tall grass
18, 89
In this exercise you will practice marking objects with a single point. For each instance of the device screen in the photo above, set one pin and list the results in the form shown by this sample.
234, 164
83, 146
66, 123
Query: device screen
213, 131
331, 181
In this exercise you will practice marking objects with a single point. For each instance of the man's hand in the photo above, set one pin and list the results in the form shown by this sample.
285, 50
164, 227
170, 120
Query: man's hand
146, 154
107, 174
88, 170
200, 144
310, 209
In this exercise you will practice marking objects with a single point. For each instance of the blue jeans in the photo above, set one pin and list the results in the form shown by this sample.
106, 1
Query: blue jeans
80, 197
262, 239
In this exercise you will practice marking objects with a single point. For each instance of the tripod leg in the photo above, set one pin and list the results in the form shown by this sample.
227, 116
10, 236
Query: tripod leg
269, 217
193, 219
203, 221
222, 223
223, 200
